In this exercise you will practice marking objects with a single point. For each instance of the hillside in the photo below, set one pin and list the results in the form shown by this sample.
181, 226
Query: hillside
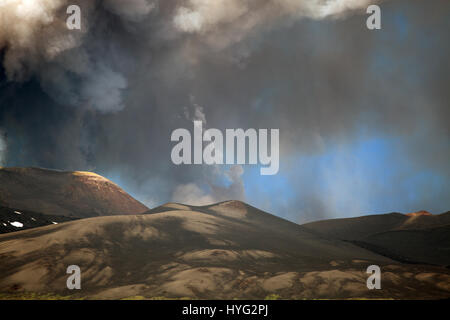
228, 250
414, 238
72, 194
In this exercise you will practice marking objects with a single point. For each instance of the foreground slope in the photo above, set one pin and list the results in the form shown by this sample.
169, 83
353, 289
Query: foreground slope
72, 194
418, 237
229, 250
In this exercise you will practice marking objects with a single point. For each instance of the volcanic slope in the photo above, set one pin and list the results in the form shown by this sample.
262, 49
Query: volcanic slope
73, 194
223, 251
418, 237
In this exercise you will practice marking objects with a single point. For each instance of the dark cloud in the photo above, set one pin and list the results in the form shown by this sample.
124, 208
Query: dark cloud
107, 98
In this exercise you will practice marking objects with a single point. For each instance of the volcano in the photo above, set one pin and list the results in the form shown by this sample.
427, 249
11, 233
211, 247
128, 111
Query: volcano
73, 194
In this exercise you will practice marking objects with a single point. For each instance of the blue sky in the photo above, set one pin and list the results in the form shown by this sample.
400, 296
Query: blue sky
369, 176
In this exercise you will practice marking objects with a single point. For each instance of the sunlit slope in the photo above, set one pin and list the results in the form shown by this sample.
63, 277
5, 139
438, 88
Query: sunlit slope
229, 250
73, 194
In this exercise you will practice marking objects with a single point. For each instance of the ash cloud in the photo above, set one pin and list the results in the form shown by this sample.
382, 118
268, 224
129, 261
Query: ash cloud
76, 68
106, 98
219, 184
193, 194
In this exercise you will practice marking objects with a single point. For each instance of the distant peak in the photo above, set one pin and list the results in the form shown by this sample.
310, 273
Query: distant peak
419, 213
39, 170
231, 203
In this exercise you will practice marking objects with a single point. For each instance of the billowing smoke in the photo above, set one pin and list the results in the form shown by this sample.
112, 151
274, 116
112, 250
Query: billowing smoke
78, 68
107, 97
193, 194
37, 42
208, 190
225, 21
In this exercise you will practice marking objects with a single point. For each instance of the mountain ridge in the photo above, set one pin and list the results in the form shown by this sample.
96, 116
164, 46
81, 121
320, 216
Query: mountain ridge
221, 251
68, 193
421, 238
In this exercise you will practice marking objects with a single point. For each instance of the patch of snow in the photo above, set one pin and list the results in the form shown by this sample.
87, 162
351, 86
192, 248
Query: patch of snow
54, 222
33, 219
5, 224
18, 212
16, 224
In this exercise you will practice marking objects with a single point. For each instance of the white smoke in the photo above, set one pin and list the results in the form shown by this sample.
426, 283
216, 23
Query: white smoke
222, 22
31, 33
36, 42
214, 191
204, 15
193, 194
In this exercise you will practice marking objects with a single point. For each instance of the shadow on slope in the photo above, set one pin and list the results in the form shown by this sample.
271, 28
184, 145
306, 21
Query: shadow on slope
229, 250
412, 238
